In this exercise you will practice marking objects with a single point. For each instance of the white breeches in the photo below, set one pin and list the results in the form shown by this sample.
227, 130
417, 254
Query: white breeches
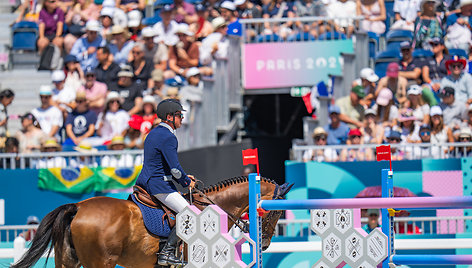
173, 200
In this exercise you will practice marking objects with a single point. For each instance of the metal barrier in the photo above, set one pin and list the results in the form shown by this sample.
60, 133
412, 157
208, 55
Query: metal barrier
8, 233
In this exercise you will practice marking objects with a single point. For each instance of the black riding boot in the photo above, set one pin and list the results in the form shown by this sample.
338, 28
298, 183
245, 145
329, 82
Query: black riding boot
167, 254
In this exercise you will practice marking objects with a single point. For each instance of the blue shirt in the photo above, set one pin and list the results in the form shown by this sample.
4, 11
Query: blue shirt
81, 121
337, 135
235, 28
161, 165
121, 56
79, 51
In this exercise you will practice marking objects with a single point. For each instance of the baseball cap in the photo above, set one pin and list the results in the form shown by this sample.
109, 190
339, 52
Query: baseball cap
148, 32
45, 90
32, 220
134, 18
465, 133
228, 5
359, 90
149, 99
92, 25
319, 131
113, 95
414, 90
157, 75
392, 69
334, 109
372, 211
369, 111
395, 135
218, 22
384, 97
405, 44
89, 70
435, 110
70, 58
183, 28
239, 2
58, 76
425, 126
167, 8
125, 73
192, 71
108, 3
369, 75
199, 7
354, 132
107, 11
447, 91
436, 40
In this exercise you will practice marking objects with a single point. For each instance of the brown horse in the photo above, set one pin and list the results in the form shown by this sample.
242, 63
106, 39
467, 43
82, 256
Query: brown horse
105, 232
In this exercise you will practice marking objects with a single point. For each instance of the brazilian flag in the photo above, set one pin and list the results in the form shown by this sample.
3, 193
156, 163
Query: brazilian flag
67, 180
116, 178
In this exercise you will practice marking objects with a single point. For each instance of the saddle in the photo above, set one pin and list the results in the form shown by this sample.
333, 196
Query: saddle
148, 200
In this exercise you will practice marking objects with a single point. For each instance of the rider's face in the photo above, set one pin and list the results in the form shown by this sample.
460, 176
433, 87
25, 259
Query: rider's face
178, 119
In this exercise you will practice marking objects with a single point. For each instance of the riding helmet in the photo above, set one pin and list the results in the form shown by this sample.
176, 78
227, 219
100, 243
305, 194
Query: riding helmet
168, 106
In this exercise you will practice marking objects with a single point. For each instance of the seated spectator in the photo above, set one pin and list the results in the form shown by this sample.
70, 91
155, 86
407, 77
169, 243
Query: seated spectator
62, 97
85, 160
394, 82
201, 28
373, 133
249, 10
173, 93
48, 116
192, 94
368, 82
148, 113
30, 136
6, 98
127, 5
336, 129
276, 9
386, 111
428, 26
167, 27
134, 24
185, 53
134, 137
85, 48
320, 155
51, 161
120, 160
458, 35
107, 70
121, 45
156, 87
28, 11
410, 68
228, 12
106, 21
426, 151
374, 14
352, 112
355, 154
408, 127
12, 146
74, 73
468, 121
458, 9
95, 92
465, 135
395, 138
406, 12
157, 53
141, 67
373, 220
215, 45
130, 91
80, 123
184, 12
76, 19
342, 10
113, 121
454, 112
440, 133
458, 79
416, 103
51, 25
434, 69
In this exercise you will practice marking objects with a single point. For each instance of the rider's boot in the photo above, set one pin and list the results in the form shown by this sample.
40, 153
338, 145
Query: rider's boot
167, 254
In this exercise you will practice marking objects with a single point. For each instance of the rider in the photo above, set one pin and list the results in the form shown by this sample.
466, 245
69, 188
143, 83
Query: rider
161, 167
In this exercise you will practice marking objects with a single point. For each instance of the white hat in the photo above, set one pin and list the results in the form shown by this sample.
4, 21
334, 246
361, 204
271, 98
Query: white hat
58, 76
218, 22
465, 133
465, 2
134, 18
92, 25
183, 28
45, 90
228, 5
108, 3
107, 11
435, 110
192, 71
113, 95
369, 75
239, 2
149, 99
369, 111
148, 32
414, 90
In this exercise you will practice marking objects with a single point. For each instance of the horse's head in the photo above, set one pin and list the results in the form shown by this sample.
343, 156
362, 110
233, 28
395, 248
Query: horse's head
270, 218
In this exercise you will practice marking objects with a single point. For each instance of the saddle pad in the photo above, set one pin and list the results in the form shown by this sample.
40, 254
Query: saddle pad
153, 219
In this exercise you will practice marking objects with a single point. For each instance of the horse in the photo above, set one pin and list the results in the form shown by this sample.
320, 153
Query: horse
102, 232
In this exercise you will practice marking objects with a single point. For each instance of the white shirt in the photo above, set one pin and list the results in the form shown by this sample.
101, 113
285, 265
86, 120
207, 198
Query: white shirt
408, 9
53, 162
114, 125
125, 160
342, 10
207, 47
166, 36
328, 155
66, 95
48, 118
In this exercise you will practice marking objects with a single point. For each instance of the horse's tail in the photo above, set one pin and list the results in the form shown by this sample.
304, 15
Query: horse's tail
53, 228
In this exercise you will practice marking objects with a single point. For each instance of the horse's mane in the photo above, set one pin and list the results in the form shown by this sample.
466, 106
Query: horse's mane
232, 181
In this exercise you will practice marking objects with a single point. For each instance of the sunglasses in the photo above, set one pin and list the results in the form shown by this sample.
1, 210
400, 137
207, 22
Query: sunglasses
137, 52
45, 97
51, 1
394, 140
320, 138
355, 136
179, 115
456, 66
425, 133
435, 44
80, 101
464, 139
90, 75
114, 101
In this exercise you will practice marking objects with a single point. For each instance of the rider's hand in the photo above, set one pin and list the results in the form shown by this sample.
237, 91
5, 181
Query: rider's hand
192, 181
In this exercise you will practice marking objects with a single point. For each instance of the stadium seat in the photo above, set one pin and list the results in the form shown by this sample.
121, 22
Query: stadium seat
383, 59
458, 52
373, 44
160, 3
193, 1
422, 53
24, 35
268, 38
398, 36
301, 37
332, 36
390, 14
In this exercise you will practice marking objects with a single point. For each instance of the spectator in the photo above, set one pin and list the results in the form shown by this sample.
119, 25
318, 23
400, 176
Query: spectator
49, 117
184, 12
134, 138
352, 112
106, 21
373, 133
134, 24
85, 48
468, 121
74, 73
119, 160
434, 69
387, 112
192, 94
119, 16
76, 19
28, 11
355, 154
80, 123
141, 67
458, 9
320, 155
454, 112
157, 53
409, 128
276, 9
342, 10
458, 34
107, 70
416, 103
410, 68
148, 113
51, 161
128, 5
173, 93
30, 136
228, 12
394, 82
406, 12
85, 159
372, 220
336, 129
309, 8
428, 26
216, 45
465, 135
113, 121
368, 82
95, 92
202, 27
458, 79
121, 45
62, 97
185, 53
374, 14
51, 24
249, 10
167, 27
440, 133
12, 146
130, 91
157, 88
426, 150
6, 98
395, 138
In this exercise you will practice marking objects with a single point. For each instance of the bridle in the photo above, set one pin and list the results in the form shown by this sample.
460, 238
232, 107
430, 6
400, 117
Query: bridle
268, 225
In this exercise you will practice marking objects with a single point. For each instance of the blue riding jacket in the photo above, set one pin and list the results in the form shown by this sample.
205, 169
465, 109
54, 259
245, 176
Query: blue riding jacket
161, 165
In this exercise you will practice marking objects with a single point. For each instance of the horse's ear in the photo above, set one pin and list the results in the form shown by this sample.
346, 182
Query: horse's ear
284, 189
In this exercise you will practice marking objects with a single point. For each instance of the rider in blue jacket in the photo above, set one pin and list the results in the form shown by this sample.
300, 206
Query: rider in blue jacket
161, 168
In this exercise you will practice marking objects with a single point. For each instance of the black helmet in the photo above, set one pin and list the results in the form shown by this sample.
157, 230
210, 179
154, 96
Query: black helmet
168, 106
